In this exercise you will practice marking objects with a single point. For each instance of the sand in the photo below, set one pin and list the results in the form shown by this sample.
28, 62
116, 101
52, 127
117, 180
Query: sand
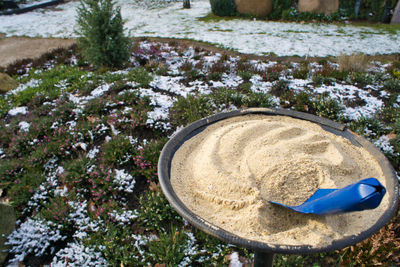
227, 174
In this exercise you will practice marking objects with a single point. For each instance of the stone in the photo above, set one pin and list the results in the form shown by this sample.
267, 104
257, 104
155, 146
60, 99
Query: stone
319, 6
7, 83
7, 225
396, 14
258, 8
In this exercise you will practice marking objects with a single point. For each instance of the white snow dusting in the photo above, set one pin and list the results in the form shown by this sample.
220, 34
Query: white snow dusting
33, 236
24, 126
17, 111
75, 254
124, 180
246, 36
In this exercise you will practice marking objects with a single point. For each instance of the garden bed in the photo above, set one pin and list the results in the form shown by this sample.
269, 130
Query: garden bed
79, 148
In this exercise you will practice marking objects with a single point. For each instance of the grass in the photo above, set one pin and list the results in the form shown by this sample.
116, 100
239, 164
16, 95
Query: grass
87, 167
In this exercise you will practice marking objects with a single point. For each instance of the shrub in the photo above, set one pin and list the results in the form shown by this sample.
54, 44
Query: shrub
4, 107
189, 109
169, 247
279, 88
101, 32
119, 243
155, 213
301, 73
303, 101
118, 151
246, 75
392, 85
327, 107
141, 76
223, 7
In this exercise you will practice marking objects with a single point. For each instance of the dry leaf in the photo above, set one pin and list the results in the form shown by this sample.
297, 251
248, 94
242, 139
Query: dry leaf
91, 207
391, 136
91, 119
153, 187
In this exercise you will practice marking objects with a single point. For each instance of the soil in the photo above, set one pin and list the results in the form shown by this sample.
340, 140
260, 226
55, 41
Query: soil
17, 48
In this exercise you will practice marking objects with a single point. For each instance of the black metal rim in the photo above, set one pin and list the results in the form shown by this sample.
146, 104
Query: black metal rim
164, 166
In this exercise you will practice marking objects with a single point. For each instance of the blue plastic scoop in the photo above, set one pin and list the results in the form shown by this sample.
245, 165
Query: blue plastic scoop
363, 195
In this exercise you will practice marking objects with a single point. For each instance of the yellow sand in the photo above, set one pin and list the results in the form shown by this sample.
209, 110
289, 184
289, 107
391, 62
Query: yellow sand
229, 172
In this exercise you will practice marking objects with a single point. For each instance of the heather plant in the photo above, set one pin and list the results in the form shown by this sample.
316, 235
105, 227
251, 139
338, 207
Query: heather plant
302, 72
392, 85
102, 40
327, 107
155, 213
121, 247
4, 107
303, 102
118, 151
246, 75
141, 76
318, 80
279, 88
169, 247
361, 78
189, 109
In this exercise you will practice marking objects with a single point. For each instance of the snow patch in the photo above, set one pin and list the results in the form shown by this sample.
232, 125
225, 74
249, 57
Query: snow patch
18, 110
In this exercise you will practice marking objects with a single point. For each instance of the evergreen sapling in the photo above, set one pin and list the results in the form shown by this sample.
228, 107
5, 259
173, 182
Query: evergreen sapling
102, 39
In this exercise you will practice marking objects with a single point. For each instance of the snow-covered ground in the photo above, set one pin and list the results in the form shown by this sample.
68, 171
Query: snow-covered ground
246, 36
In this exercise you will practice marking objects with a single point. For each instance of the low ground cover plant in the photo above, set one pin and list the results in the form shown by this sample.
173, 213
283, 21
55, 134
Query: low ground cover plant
79, 149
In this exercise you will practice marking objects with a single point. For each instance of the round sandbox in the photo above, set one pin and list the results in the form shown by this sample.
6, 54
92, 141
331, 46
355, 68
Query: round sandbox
220, 172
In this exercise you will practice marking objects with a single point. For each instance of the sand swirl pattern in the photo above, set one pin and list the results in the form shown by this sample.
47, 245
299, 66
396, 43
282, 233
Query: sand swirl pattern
229, 172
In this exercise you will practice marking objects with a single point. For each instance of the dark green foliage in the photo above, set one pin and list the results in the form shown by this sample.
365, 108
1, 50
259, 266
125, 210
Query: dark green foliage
368, 127
55, 81
118, 151
246, 75
361, 78
303, 102
4, 107
279, 88
224, 98
102, 40
301, 73
279, 7
155, 213
141, 76
372, 10
120, 249
223, 7
169, 248
318, 80
327, 107
392, 85
189, 109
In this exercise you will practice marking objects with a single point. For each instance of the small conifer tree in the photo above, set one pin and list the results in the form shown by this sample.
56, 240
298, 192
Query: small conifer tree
102, 39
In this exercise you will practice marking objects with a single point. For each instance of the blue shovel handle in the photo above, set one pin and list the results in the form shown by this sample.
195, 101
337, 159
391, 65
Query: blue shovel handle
363, 195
